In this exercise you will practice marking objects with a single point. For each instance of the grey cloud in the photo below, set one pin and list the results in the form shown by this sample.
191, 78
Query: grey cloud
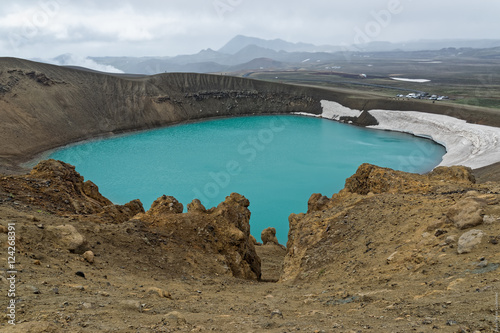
153, 27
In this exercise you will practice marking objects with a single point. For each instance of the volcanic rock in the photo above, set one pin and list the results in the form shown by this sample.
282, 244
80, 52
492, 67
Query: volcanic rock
165, 205
469, 240
58, 188
268, 236
68, 237
221, 233
196, 206
466, 213
317, 202
384, 216
89, 256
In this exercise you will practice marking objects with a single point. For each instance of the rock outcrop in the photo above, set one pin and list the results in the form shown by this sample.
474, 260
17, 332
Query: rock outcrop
220, 235
59, 189
68, 238
202, 242
387, 222
268, 236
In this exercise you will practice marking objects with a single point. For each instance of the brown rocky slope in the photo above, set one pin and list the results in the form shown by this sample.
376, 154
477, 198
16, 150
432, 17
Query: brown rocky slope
391, 252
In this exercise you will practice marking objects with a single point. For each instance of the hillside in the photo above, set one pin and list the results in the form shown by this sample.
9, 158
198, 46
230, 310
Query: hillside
391, 252
44, 106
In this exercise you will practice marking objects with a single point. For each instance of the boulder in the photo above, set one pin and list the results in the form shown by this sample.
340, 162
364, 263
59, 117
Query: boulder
317, 202
162, 293
373, 179
68, 237
175, 318
466, 213
196, 206
370, 178
469, 240
89, 256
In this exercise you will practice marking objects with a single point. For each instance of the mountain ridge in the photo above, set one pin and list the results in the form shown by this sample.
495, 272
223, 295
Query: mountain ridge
242, 50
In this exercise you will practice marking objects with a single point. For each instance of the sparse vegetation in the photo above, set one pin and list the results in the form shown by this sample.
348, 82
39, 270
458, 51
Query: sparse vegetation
468, 81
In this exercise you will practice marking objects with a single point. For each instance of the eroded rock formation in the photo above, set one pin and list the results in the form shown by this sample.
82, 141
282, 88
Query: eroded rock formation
220, 235
214, 242
59, 189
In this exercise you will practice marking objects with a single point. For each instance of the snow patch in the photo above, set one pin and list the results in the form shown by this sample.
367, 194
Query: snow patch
334, 110
467, 144
470, 145
410, 80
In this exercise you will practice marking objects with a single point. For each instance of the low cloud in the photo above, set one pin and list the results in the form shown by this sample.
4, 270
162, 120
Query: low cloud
79, 61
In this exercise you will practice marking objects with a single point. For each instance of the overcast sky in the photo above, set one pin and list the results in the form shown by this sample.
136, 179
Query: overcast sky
47, 28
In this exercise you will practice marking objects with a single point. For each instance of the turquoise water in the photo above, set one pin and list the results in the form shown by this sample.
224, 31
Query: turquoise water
277, 162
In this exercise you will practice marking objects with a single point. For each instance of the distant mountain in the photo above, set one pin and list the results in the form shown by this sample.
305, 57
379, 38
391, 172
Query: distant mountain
249, 53
202, 56
240, 42
258, 64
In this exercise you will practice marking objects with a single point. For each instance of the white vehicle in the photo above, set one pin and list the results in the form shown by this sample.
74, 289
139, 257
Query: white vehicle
411, 95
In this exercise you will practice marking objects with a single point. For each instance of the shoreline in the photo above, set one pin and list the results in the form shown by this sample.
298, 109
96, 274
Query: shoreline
31, 160
91, 107
470, 145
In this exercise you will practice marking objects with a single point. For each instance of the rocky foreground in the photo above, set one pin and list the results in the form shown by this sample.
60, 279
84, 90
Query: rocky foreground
391, 252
